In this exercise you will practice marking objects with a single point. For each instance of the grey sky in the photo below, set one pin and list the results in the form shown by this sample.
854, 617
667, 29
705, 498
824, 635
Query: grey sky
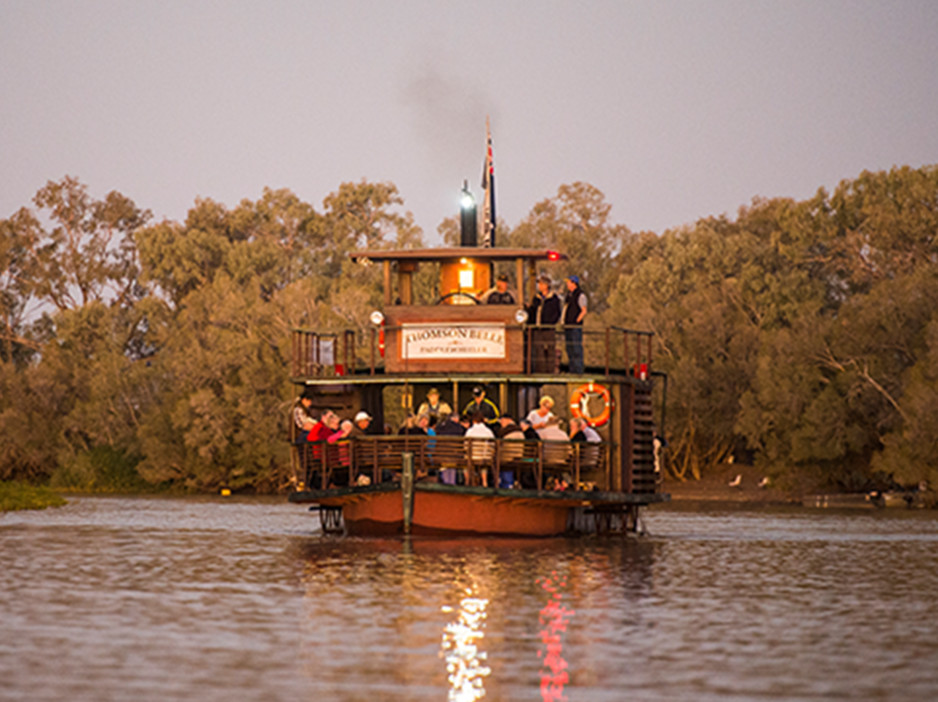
675, 110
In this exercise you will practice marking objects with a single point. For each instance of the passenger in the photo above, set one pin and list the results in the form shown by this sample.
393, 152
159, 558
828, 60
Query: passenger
327, 425
339, 452
512, 449
580, 430
544, 312
302, 420
415, 426
482, 451
530, 433
480, 403
538, 418
447, 426
556, 443
362, 423
500, 294
574, 310
508, 429
592, 436
434, 406
552, 431
343, 432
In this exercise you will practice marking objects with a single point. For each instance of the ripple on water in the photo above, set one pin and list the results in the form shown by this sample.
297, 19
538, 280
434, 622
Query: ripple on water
112, 598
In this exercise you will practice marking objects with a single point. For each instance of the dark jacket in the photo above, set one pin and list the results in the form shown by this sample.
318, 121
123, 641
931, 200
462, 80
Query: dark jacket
571, 306
545, 310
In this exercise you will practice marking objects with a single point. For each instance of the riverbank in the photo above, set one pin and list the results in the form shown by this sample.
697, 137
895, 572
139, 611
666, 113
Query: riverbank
729, 483
16, 496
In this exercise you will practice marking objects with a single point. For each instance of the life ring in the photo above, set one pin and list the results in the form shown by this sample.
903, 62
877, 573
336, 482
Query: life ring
579, 403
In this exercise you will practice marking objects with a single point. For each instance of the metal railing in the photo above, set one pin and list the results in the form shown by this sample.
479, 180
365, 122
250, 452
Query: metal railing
612, 351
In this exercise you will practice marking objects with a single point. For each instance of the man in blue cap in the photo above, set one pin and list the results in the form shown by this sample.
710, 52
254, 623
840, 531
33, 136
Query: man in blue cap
574, 310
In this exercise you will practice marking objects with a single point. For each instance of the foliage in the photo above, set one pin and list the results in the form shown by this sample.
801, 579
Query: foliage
18, 495
801, 335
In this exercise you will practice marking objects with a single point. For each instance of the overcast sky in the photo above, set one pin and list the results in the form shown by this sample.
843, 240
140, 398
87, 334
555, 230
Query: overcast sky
674, 110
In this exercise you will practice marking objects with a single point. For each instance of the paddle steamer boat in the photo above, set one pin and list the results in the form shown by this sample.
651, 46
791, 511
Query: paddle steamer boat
389, 483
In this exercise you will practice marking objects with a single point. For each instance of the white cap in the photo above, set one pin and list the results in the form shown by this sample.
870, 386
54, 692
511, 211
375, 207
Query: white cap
362, 415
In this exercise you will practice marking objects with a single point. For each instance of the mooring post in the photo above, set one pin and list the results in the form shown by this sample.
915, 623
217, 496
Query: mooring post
407, 488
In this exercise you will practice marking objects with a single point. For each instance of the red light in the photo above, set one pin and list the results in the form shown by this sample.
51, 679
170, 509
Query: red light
553, 256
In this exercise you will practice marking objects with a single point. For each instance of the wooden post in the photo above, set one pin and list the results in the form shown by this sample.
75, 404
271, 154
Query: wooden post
387, 283
519, 281
407, 489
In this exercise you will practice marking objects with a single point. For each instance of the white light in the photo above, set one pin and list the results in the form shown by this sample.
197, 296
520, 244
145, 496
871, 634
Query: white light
376, 318
466, 201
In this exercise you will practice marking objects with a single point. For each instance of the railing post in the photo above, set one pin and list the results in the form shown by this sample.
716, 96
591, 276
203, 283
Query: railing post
608, 333
625, 350
407, 489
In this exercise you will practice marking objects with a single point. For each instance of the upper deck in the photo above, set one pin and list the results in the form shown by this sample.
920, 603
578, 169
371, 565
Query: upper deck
455, 336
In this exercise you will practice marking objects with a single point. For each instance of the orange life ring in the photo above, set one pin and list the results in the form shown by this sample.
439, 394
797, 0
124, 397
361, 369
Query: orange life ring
579, 401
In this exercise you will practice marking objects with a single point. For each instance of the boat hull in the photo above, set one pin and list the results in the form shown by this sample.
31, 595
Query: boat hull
443, 510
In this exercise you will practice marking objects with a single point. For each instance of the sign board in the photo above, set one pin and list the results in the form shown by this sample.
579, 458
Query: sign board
453, 340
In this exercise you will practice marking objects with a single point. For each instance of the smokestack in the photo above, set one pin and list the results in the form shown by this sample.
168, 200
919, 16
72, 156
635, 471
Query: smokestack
467, 217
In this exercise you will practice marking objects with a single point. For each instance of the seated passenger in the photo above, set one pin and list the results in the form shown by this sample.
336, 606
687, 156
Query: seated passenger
362, 424
327, 425
447, 426
529, 432
512, 448
415, 426
556, 443
482, 450
538, 418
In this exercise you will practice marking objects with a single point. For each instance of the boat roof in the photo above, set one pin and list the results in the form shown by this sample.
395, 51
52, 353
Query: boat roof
445, 254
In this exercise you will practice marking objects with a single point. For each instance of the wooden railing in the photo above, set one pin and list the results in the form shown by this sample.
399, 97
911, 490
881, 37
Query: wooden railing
505, 463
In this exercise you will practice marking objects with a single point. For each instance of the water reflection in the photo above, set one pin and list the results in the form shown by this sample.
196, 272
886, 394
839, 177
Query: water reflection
465, 666
553, 619
113, 599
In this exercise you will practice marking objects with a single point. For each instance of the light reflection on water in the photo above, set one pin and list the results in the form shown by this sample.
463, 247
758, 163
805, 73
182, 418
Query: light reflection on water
110, 599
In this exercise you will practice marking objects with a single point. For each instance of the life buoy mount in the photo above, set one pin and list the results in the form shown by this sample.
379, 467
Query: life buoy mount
580, 403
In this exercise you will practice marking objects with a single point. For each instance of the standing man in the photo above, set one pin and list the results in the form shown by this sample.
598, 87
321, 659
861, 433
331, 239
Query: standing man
500, 295
574, 310
483, 405
543, 313
434, 406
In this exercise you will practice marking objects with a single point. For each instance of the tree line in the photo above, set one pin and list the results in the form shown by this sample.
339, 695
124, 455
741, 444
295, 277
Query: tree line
801, 335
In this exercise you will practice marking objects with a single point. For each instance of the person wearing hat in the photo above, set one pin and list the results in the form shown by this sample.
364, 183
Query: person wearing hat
543, 312
500, 294
362, 422
574, 310
434, 406
480, 403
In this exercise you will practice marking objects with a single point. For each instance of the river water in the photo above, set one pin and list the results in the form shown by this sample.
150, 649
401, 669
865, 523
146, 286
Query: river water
167, 599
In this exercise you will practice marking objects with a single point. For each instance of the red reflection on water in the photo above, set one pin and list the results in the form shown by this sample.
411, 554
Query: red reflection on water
553, 618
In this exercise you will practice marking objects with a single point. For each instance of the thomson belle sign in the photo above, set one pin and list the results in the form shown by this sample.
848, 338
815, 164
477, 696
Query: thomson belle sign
441, 341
